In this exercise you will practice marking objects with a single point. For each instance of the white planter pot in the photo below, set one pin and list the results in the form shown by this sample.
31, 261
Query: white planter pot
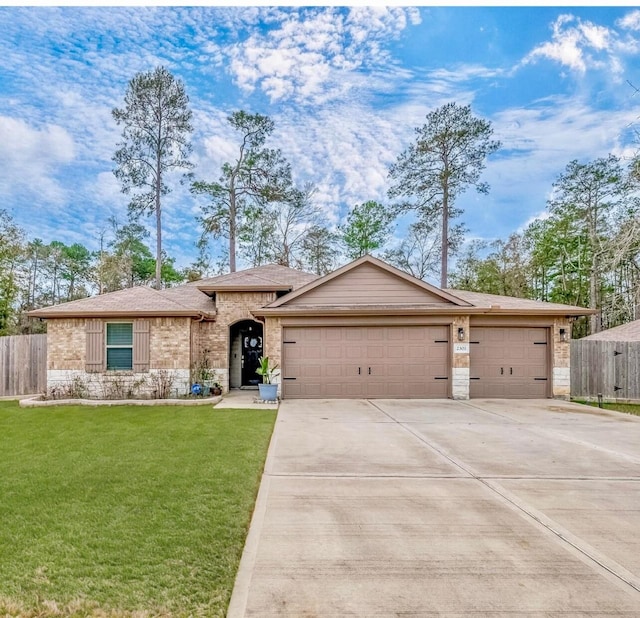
268, 392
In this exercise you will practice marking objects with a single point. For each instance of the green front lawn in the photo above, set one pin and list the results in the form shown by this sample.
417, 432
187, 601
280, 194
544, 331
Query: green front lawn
111, 511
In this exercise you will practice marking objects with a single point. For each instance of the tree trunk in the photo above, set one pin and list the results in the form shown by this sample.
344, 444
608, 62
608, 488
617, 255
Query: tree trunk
232, 230
593, 272
445, 237
232, 225
158, 228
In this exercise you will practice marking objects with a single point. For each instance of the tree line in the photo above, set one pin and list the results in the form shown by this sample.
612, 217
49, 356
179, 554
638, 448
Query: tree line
583, 251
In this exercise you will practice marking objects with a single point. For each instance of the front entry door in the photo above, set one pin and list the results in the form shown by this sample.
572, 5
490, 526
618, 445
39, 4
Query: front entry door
251, 353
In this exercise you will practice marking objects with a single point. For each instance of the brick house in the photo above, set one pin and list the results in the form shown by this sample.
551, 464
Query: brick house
364, 330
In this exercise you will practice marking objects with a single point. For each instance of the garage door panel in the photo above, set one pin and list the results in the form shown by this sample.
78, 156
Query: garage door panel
509, 362
397, 334
353, 352
398, 351
352, 334
375, 351
334, 371
404, 362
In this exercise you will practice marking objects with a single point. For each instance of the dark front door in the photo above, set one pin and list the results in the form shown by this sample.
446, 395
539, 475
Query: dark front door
251, 353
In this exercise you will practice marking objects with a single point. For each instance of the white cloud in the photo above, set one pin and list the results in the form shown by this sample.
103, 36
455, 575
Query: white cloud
631, 21
581, 45
308, 55
565, 46
30, 157
538, 143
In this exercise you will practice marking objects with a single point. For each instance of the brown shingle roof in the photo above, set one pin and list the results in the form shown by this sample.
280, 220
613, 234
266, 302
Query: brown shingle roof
184, 300
479, 299
191, 297
132, 301
271, 276
624, 332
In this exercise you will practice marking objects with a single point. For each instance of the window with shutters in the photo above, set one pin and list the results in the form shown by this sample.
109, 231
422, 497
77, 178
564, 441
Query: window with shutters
119, 346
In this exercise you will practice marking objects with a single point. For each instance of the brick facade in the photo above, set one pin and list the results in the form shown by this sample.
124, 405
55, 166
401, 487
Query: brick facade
176, 343
211, 339
169, 351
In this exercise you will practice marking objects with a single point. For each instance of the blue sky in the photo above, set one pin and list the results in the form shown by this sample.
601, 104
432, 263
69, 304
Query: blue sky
346, 86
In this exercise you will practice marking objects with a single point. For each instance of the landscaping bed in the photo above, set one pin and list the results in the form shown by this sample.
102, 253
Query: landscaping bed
125, 511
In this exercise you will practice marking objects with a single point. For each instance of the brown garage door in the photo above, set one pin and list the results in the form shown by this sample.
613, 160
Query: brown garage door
509, 362
366, 362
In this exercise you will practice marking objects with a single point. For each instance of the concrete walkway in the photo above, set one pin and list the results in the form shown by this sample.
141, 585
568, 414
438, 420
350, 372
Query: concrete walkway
245, 399
445, 508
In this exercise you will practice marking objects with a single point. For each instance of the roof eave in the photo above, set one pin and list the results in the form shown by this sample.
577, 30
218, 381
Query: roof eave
245, 288
37, 313
447, 310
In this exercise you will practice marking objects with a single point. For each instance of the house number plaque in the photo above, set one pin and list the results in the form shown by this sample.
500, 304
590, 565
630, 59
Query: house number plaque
461, 348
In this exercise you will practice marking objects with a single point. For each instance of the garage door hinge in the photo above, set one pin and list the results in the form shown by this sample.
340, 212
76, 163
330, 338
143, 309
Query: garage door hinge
289, 378
438, 378
288, 342
474, 378
539, 343
441, 341
545, 379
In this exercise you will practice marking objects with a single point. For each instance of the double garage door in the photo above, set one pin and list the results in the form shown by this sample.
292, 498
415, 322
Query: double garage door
411, 362
366, 362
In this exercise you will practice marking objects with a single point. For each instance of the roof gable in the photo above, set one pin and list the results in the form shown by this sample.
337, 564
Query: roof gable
367, 281
269, 277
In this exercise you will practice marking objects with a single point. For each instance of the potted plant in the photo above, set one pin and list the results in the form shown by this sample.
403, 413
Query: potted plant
202, 377
268, 390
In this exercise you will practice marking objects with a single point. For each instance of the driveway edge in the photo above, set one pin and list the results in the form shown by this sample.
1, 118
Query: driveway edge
240, 593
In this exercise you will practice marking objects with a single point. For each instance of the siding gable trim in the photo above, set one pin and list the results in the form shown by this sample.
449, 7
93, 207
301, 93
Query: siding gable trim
445, 297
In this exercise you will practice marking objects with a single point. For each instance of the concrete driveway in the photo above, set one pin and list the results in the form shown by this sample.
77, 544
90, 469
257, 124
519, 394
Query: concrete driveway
445, 508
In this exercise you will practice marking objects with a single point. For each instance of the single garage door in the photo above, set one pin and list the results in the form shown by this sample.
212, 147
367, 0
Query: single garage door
509, 362
366, 362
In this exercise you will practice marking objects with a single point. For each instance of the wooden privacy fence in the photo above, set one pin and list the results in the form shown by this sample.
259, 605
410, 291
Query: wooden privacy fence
23, 365
609, 368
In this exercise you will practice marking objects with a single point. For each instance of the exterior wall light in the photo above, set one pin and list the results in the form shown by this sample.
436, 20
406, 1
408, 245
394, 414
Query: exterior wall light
460, 333
563, 335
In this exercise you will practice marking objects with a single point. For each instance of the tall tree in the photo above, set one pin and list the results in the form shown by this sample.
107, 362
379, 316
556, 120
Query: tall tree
293, 220
503, 271
36, 254
156, 123
77, 270
256, 236
367, 228
319, 250
11, 253
418, 253
588, 193
257, 177
447, 158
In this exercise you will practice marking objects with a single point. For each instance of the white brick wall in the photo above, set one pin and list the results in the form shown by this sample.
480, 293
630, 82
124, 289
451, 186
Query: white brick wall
561, 382
105, 385
460, 386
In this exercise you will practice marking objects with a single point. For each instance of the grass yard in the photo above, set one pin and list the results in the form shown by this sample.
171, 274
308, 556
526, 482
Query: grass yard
125, 511
628, 408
